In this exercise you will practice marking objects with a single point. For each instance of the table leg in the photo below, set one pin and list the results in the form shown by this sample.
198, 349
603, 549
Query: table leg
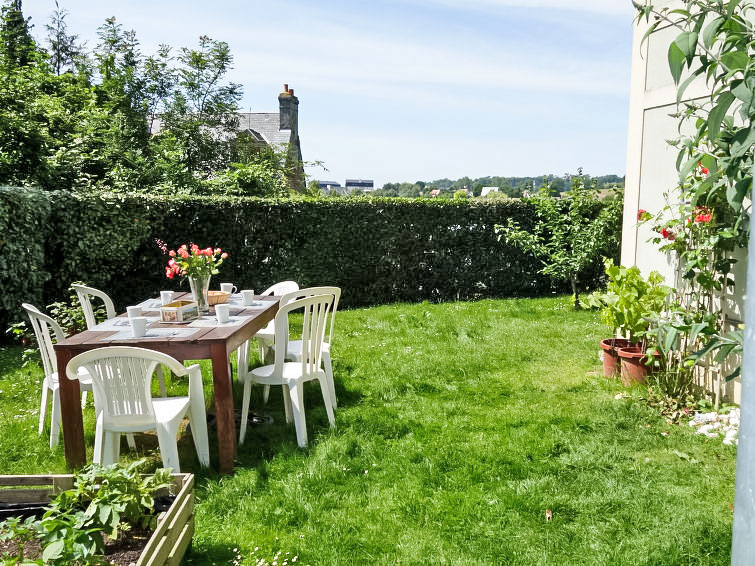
224, 415
70, 404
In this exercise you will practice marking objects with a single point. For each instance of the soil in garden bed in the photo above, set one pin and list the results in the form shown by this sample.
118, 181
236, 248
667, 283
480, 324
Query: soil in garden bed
123, 552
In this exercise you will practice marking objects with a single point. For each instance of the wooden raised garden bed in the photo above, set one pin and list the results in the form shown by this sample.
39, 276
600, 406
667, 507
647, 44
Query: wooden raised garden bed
169, 540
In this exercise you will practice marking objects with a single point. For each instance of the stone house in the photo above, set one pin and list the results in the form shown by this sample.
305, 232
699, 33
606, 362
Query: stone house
279, 130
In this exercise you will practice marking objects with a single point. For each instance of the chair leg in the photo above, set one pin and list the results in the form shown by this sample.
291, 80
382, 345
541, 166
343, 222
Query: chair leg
83, 400
43, 408
326, 398
265, 350
55, 419
287, 403
265, 394
296, 393
245, 410
328, 366
166, 438
198, 421
131, 441
98, 441
111, 447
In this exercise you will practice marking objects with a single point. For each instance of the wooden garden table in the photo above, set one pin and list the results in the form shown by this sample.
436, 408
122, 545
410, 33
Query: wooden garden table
213, 343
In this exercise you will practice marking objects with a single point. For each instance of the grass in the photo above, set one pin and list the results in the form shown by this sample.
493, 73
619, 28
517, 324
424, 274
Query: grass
458, 426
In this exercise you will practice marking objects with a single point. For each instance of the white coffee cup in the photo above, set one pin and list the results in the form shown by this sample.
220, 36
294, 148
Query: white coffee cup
221, 312
133, 312
228, 288
138, 326
166, 297
247, 297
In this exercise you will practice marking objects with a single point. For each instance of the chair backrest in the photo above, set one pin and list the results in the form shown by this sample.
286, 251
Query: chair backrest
85, 295
45, 330
316, 309
121, 381
312, 291
280, 288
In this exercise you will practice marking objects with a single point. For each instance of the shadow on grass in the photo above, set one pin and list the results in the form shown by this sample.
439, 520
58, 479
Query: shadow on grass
208, 556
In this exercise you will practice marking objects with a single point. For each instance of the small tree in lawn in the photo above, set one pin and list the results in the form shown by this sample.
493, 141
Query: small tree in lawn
568, 235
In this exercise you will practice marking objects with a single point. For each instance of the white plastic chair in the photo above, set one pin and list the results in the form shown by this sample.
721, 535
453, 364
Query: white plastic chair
292, 375
121, 381
293, 353
266, 336
85, 294
45, 330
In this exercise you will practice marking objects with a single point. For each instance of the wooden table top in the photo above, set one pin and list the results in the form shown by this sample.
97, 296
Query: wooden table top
97, 337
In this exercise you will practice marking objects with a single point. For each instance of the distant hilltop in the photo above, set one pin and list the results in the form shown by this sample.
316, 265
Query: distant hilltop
487, 187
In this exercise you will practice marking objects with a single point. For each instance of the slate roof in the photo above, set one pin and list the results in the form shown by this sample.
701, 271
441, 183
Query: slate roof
265, 125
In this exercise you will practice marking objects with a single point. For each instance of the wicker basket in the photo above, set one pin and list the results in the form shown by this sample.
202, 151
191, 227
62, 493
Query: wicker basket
217, 297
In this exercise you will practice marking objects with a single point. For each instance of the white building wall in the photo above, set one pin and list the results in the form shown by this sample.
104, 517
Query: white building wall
651, 161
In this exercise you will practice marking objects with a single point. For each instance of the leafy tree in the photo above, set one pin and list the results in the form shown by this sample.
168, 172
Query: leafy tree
18, 46
63, 47
201, 118
567, 235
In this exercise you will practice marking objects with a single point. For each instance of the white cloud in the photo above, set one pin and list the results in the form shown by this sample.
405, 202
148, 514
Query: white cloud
616, 7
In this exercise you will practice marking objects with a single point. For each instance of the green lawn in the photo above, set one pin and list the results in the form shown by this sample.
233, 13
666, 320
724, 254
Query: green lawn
458, 426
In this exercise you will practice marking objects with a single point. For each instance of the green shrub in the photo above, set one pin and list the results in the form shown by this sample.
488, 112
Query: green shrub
24, 221
378, 250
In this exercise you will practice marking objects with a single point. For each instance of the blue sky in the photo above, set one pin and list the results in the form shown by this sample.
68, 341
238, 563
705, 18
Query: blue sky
406, 90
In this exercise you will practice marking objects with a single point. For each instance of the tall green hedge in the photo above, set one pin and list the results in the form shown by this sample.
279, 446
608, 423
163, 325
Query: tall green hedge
377, 250
24, 223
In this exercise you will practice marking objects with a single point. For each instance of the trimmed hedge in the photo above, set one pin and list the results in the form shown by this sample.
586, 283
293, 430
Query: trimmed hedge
378, 250
24, 221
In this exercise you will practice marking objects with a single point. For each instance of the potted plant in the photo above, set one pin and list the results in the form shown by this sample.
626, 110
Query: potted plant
626, 306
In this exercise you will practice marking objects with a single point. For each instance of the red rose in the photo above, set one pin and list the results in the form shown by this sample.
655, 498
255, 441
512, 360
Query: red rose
172, 253
668, 234
169, 273
223, 255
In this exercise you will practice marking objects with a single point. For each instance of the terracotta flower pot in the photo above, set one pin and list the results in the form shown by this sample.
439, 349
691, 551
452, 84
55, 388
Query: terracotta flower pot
610, 347
634, 368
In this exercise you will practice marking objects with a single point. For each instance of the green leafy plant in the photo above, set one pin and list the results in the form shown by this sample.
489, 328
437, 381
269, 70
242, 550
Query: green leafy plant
21, 332
105, 500
20, 532
708, 214
677, 334
713, 42
566, 236
113, 495
630, 300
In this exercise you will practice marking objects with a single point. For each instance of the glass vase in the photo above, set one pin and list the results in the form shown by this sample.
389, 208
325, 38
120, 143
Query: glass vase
200, 284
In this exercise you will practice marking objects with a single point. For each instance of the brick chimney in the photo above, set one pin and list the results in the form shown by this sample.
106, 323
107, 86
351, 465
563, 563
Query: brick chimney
289, 109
